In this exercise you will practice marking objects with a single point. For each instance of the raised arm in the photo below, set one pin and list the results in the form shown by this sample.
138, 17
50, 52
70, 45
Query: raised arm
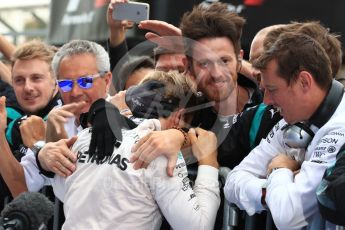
5, 73
6, 47
117, 46
117, 28
163, 34
10, 168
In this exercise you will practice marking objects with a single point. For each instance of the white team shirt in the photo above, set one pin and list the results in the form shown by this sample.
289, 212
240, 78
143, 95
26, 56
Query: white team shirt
291, 199
34, 180
113, 195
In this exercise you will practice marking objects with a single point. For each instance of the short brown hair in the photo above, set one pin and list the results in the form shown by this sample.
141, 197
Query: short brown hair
34, 49
329, 41
211, 22
295, 52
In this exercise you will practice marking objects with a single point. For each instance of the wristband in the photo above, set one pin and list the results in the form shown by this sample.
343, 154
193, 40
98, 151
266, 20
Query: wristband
42, 170
125, 111
37, 146
185, 135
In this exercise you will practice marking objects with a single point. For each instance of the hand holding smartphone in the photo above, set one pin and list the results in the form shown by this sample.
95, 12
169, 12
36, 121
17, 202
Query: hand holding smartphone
131, 11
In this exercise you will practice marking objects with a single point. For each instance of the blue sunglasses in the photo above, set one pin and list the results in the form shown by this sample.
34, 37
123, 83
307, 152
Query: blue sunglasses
86, 82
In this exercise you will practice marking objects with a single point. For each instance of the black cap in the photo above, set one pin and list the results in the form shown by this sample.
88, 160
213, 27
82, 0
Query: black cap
147, 100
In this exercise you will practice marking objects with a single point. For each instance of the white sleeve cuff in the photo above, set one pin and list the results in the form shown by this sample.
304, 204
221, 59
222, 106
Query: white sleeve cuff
207, 172
280, 176
34, 180
253, 193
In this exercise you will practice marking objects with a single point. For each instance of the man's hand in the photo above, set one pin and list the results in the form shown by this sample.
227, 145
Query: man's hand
119, 101
249, 71
160, 28
283, 161
58, 158
167, 142
57, 117
117, 28
163, 34
204, 146
3, 114
32, 129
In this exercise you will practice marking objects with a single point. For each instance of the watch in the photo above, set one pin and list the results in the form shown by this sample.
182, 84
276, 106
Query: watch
37, 146
35, 149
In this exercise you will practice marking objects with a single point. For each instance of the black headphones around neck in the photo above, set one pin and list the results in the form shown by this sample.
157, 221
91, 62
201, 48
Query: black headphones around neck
299, 135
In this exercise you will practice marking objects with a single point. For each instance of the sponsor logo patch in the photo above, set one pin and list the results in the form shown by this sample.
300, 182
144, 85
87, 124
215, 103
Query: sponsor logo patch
331, 149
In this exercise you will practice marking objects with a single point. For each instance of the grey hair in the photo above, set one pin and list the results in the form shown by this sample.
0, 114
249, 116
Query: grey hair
76, 47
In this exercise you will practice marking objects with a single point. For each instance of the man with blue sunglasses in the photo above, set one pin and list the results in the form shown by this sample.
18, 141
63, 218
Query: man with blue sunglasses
86, 63
85, 82
83, 76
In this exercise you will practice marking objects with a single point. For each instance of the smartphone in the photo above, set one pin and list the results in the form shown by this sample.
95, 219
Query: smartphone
131, 11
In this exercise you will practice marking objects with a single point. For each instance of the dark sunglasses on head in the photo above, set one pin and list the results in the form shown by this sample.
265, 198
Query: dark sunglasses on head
85, 82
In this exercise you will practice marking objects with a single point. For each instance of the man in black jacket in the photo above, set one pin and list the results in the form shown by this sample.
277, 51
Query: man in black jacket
35, 87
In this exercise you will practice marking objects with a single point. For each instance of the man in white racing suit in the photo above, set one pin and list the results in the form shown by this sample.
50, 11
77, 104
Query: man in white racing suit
107, 193
283, 172
112, 194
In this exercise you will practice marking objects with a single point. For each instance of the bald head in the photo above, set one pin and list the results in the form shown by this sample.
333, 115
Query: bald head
257, 47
